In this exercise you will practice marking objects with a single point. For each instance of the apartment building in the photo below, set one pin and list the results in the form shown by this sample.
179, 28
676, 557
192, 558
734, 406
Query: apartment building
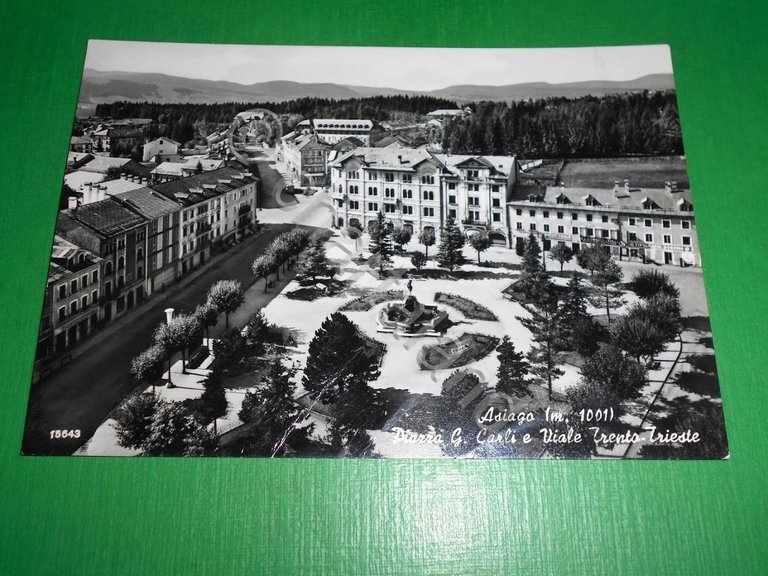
71, 304
216, 206
333, 130
306, 157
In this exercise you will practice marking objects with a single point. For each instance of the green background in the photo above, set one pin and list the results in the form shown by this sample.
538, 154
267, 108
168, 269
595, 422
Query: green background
229, 516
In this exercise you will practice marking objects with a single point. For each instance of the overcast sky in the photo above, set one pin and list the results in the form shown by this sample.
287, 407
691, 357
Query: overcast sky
402, 68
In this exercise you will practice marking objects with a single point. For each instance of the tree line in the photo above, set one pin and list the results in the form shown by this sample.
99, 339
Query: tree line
645, 123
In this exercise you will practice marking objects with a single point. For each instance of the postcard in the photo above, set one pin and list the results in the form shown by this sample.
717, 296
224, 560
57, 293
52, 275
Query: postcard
364, 252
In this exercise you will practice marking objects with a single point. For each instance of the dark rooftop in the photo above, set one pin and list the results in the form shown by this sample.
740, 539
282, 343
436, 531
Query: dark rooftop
147, 202
107, 217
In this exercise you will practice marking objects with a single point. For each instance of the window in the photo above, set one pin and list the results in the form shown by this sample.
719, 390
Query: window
559, 215
649, 238
633, 221
546, 227
473, 187
389, 208
496, 217
429, 195
373, 191
589, 217
408, 210
604, 233
389, 192
519, 226
427, 179
373, 206
451, 199
139, 254
590, 231
685, 225
354, 189
407, 178
574, 230
648, 223
561, 229
73, 286
519, 212
84, 280
531, 213
532, 227
494, 188
94, 296
473, 201
95, 276
546, 214
452, 212
121, 263
451, 185
389, 177
666, 224
632, 236
429, 211
686, 240
62, 313
84, 302
73, 307
574, 216
62, 291
604, 218
108, 289
407, 194
121, 304
667, 239
354, 205
496, 203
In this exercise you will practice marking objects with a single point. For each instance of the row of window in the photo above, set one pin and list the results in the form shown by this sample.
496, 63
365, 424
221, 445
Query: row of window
77, 284
82, 304
428, 211
647, 222
603, 233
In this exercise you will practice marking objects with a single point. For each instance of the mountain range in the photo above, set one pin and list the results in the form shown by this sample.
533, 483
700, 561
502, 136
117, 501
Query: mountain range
104, 87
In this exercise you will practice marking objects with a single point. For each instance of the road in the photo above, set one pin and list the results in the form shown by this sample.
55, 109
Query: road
81, 395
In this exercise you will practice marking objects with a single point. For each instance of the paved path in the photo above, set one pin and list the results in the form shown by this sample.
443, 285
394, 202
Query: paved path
79, 396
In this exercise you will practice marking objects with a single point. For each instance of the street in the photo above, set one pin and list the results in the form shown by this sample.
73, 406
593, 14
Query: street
80, 395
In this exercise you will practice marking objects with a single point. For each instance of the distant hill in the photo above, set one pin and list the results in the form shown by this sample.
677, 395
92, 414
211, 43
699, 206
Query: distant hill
103, 87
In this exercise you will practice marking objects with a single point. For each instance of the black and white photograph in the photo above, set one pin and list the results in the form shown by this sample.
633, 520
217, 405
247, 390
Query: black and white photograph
364, 252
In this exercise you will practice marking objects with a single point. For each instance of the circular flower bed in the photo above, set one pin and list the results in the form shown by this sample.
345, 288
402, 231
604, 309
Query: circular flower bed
471, 310
456, 352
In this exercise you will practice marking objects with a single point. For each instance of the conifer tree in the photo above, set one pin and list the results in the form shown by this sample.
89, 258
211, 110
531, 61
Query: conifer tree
545, 325
381, 241
338, 358
606, 287
315, 263
427, 238
513, 368
450, 254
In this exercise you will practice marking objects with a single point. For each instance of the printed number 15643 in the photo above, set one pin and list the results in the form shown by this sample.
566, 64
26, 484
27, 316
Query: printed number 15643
55, 434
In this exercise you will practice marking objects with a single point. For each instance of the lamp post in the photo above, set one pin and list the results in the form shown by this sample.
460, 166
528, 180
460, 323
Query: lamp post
168, 318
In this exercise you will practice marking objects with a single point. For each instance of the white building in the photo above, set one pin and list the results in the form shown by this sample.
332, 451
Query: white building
332, 130
417, 189
161, 150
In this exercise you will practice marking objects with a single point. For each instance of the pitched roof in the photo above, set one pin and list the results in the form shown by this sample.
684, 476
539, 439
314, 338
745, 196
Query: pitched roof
341, 124
502, 165
106, 217
80, 140
78, 178
388, 158
165, 141
635, 199
147, 202
198, 187
103, 163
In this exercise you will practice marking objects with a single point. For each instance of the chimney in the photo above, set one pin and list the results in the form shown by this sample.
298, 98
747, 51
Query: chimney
72, 202
615, 186
626, 186
674, 186
562, 186
102, 192
667, 187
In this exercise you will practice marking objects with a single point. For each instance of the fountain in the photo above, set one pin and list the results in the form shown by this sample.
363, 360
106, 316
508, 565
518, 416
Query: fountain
412, 318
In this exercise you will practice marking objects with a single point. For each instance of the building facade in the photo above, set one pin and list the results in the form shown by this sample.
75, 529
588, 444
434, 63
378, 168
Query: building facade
160, 150
332, 130
644, 224
71, 304
420, 190
217, 206
305, 157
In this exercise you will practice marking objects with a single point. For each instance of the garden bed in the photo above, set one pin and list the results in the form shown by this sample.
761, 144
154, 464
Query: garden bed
470, 309
369, 300
456, 352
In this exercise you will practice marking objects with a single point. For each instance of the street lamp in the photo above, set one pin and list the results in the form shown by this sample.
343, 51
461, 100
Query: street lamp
168, 315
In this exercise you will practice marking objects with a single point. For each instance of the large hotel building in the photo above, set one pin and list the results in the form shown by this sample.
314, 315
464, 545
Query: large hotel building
418, 190
649, 222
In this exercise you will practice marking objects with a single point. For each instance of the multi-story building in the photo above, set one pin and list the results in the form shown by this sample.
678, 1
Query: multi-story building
417, 189
475, 190
118, 235
403, 183
71, 305
648, 224
80, 144
216, 206
332, 130
306, 157
162, 215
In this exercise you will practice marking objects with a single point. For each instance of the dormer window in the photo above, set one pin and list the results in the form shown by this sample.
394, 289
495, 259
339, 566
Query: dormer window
649, 204
562, 199
591, 201
685, 206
